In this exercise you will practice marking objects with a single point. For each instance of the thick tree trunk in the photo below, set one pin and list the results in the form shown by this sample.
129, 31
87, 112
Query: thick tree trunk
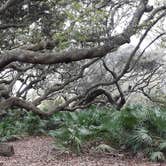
6, 150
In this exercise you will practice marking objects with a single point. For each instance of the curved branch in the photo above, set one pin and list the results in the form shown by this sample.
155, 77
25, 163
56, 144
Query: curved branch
26, 56
94, 94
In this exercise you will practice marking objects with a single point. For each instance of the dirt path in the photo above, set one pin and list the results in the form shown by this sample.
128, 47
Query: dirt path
37, 151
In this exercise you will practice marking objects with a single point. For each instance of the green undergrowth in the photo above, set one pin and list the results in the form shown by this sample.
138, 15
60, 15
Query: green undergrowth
135, 129
19, 123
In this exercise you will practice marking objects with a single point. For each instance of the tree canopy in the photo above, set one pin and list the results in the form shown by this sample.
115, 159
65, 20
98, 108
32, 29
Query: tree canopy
67, 51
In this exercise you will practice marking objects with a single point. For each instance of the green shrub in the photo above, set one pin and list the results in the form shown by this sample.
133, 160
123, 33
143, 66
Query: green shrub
157, 156
18, 123
135, 127
76, 128
33, 125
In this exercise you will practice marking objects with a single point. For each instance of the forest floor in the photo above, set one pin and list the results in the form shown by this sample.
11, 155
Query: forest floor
39, 151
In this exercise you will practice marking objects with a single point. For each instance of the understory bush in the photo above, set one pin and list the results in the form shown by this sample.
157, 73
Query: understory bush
18, 123
135, 128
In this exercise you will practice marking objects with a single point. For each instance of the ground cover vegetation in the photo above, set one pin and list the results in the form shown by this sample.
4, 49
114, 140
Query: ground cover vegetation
135, 129
88, 61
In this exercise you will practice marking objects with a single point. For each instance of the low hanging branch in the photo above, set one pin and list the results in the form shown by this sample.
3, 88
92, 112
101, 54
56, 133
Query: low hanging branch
27, 56
43, 53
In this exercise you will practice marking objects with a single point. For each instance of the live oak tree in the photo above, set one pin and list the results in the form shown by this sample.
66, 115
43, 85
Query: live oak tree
67, 50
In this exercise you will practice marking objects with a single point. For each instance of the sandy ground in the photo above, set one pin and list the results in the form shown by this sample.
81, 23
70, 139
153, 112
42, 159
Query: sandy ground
38, 151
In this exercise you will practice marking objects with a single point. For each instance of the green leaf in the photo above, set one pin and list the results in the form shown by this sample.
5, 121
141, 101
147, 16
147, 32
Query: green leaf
83, 131
162, 146
157, 156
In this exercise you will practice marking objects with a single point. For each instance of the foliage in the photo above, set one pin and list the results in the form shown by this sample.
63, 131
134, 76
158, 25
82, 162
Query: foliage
135, 127
157, 156
45, 47
162, 146
10, 126
76, 128
17, 123
33, 124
